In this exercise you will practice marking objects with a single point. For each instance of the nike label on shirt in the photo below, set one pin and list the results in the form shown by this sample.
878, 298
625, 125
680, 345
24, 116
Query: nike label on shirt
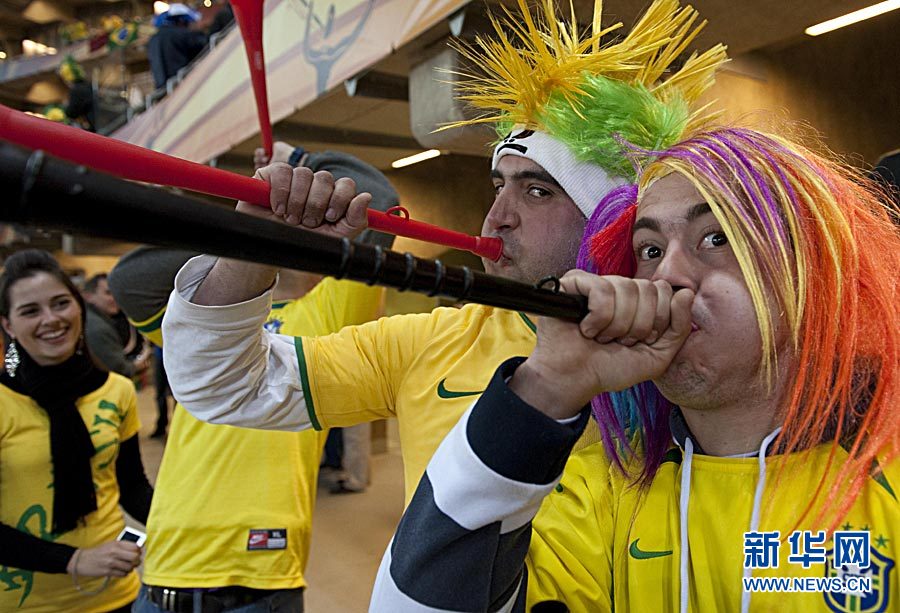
443, 392
267, 539
639, 554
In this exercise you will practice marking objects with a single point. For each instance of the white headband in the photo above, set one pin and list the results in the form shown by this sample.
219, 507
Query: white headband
584, 182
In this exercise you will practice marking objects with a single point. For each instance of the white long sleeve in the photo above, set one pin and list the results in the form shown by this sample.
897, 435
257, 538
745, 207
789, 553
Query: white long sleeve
223, 367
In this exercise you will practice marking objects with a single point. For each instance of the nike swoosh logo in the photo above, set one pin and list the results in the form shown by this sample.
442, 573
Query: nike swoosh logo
639, 554
443, 392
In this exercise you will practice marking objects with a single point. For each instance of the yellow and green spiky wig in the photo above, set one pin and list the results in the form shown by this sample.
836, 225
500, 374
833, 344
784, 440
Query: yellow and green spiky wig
567, 101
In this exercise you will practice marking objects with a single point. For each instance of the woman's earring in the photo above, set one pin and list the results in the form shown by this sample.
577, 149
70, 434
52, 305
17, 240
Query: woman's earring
11, 361
79, 349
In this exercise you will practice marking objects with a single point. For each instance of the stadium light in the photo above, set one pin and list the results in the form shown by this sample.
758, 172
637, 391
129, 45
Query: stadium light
414, 159
855, 17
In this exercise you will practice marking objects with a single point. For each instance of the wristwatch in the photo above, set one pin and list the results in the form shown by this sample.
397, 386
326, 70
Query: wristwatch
296, 156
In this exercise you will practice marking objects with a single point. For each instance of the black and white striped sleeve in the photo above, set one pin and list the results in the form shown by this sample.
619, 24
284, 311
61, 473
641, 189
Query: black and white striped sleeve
461, 543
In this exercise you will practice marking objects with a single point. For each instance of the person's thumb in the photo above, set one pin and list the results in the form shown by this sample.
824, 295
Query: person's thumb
357, 216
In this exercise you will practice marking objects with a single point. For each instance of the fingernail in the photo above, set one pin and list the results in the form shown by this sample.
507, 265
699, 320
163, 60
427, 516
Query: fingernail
590, 332
604, 339
279, 209
628, 341
331, 215
291, 219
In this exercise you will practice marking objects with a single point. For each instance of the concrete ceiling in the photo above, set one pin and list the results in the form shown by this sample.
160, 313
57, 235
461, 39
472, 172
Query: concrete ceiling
744, 26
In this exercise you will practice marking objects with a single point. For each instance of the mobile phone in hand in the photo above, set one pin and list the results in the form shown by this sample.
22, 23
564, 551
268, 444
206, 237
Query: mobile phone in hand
132, 536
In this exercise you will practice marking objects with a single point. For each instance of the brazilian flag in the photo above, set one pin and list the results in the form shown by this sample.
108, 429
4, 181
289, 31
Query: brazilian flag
123, 36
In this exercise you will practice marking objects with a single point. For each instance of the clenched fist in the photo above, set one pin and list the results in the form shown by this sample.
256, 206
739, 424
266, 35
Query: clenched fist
631, 334
315, 201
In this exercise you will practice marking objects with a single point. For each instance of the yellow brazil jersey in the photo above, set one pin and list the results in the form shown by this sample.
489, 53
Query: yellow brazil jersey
26, 496
425, 369
224, 496
601, 544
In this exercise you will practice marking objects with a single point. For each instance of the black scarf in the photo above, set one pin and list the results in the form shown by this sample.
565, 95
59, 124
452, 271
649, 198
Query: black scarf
55, 389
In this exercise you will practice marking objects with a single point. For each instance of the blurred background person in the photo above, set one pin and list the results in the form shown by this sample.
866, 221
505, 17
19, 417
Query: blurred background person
175, 44
69, 453
222, 19
110, 342
80, 105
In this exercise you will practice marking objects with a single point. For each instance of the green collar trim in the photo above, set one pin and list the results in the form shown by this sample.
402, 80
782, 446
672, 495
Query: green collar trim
528, 322
153, 324
875, 472
672, 455
881, 480
304, 381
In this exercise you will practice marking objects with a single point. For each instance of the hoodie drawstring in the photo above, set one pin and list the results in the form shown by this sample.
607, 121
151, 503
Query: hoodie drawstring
683, 512
681, 435
757, 504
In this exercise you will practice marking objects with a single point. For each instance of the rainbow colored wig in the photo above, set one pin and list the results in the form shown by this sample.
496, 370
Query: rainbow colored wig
817, 235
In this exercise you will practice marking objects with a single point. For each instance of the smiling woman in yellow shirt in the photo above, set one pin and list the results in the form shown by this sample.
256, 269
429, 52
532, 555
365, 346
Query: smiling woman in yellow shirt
68, 454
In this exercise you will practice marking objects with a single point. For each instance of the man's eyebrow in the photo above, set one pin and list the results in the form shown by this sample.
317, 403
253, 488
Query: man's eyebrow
537, 175
698, 210
651, 223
